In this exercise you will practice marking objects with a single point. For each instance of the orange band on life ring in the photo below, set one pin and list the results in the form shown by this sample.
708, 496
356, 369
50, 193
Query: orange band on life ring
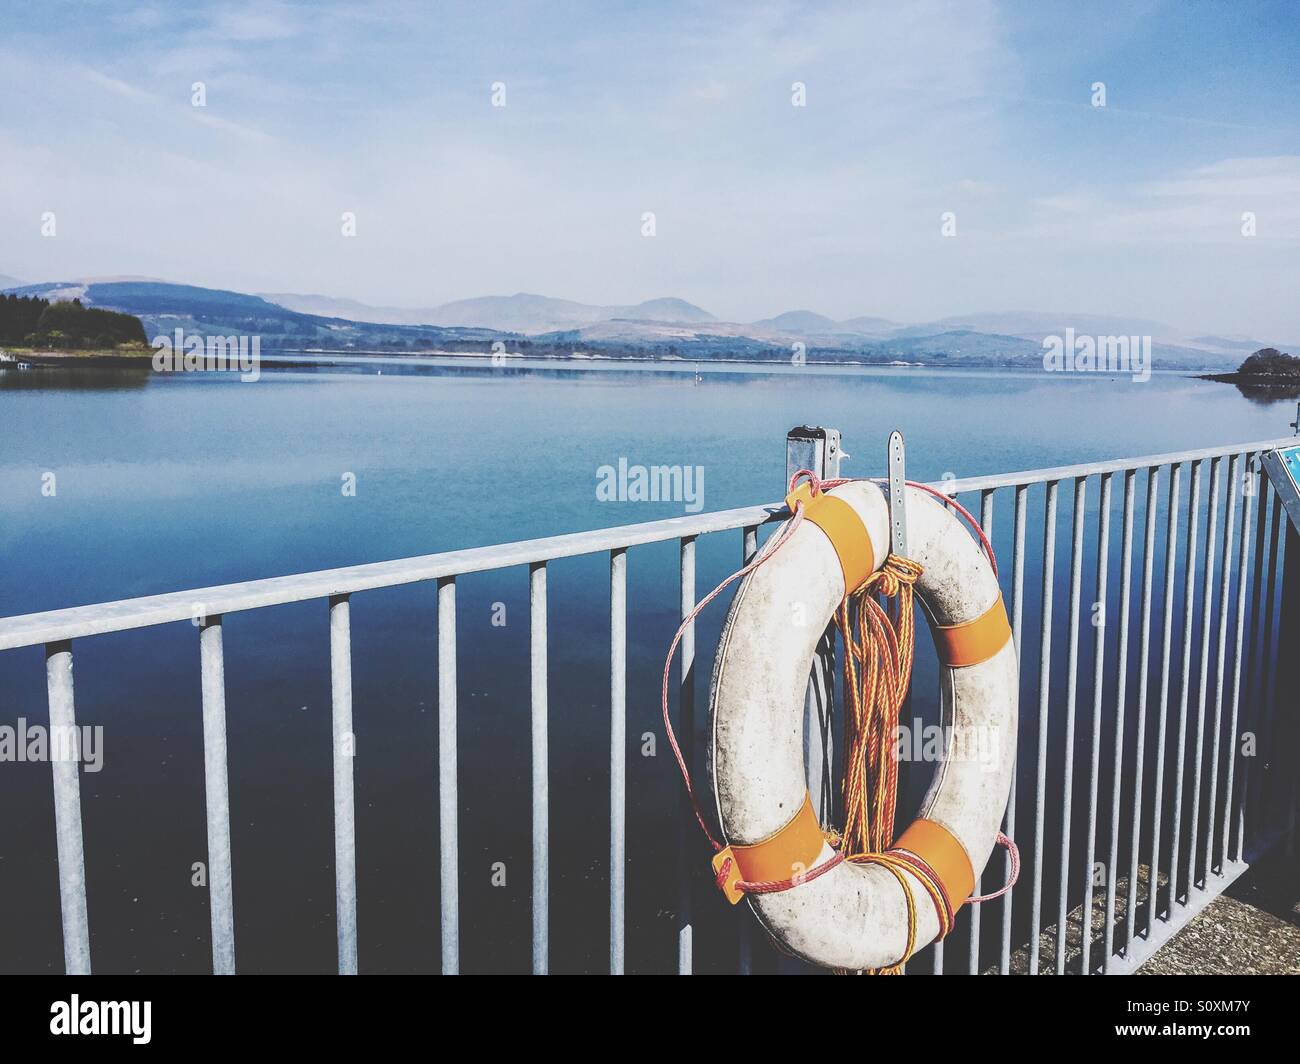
843, 527
939, 848
961, 645
787, 852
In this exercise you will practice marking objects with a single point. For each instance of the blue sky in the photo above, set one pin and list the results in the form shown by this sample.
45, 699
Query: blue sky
612, 110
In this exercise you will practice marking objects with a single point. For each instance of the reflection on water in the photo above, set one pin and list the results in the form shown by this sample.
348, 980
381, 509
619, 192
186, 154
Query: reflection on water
80, 378
1268, 394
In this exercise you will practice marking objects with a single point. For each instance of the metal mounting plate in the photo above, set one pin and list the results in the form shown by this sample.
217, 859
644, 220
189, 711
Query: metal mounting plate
897, 496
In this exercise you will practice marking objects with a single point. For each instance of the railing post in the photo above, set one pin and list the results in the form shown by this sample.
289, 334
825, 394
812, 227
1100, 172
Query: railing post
1281, 468
67, 811
818, 449
1289, 637
448, 795
540, 769
217, 791
686, 733
617, 760
345, 839
1288, 634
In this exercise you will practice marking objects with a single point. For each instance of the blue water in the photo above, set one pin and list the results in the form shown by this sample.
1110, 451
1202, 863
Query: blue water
168, 483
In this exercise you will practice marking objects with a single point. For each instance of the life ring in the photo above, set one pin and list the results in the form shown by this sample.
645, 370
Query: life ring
855, 916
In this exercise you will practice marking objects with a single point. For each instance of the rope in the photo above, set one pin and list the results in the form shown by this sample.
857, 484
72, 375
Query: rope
880, 645
1013, 851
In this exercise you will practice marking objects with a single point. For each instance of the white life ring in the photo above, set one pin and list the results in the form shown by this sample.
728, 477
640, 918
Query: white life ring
855, 916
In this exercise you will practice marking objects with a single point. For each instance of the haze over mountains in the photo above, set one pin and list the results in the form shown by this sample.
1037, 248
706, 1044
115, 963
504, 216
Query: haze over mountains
522, 313
665, 327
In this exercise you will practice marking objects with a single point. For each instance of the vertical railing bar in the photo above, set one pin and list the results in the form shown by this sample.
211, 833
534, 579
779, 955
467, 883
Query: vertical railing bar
1220, 676
1101, 618
217, 795
1044, 690
1017, 630
1203, 689
345, 839
973, 949
1171, 558
1254, 684
748, 550
1121, 705
448, 799
1071, 698
1247, 475
1139, 743
67, 811
617, 760
541, 770
1287, 625
1189, 605
686, 737
1267, 707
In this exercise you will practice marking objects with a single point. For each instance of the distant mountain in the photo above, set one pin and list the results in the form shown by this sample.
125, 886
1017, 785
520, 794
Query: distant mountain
9, 282
1232, 343
163, 308
1035, 325
51, 290
668, 309
799, 321
523, 312
543, 326
353, 310
809, 323
868, 326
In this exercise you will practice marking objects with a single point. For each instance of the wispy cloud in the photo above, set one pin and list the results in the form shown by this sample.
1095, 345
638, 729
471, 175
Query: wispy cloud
912, 112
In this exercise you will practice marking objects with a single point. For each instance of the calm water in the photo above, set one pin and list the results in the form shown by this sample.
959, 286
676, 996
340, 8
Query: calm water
187, 481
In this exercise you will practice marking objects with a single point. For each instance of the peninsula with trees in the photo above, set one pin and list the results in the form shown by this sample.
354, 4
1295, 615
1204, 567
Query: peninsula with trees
1266, 374
33, 324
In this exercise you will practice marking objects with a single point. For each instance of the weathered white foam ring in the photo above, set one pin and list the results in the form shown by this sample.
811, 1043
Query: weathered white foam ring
855, 916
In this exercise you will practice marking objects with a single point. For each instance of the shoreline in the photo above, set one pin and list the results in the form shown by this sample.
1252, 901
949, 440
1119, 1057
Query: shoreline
137, 359
1257, 380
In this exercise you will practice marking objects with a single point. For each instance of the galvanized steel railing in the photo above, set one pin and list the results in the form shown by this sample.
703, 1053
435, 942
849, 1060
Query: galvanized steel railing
1224, 835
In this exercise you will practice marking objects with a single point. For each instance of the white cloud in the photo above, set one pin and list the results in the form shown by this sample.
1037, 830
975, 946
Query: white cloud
913, 110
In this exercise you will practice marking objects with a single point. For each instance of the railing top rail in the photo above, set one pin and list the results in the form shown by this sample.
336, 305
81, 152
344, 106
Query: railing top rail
101, 618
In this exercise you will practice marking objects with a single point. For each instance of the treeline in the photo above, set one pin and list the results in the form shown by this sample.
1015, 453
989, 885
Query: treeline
29, 321
1270, 362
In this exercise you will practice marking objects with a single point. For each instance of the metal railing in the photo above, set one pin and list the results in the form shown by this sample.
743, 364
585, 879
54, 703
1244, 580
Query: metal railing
1198, 846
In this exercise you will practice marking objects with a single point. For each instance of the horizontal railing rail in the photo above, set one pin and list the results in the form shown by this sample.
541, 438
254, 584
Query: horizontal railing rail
1204, 804
76, 622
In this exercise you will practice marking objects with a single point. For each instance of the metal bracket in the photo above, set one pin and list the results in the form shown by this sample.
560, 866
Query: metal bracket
813, 448
897, 496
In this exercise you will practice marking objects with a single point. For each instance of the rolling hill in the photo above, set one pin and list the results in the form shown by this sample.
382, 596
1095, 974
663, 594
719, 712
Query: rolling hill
660, 328
520, 313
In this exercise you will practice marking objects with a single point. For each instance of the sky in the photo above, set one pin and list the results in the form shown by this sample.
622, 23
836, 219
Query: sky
977, 112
